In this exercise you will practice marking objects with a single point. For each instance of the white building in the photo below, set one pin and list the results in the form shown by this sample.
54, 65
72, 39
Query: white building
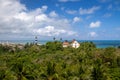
75, 44
65, 44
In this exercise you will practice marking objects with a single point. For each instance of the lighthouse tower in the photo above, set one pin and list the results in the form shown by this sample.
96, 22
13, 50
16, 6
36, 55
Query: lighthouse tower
36, 40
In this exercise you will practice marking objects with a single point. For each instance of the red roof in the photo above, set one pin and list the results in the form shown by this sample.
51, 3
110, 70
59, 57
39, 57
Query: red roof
65, 43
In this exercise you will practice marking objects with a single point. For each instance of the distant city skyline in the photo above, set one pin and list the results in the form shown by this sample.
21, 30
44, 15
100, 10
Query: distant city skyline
66, 19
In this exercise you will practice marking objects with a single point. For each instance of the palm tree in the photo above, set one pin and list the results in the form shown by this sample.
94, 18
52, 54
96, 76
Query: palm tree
54, 38
2, 74
23, 68
50, 73
60, 39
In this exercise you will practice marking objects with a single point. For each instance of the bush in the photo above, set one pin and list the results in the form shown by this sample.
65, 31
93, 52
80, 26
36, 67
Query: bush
54, 46
118, 46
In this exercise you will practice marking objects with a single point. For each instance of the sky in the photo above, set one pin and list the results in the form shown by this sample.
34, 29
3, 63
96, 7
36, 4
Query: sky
66, 19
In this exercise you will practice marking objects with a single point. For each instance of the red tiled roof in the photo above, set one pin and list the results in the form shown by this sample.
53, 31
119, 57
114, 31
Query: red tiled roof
65, 43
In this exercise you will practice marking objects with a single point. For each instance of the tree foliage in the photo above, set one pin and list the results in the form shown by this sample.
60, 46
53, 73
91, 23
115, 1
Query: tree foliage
53, 62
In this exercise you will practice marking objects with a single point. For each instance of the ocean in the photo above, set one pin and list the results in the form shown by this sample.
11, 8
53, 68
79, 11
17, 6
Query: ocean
104, 43
98, 43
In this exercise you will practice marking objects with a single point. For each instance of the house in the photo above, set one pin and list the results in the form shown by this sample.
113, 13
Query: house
75, 44
65, 43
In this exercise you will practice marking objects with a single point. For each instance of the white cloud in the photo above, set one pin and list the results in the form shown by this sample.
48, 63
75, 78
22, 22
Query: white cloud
16, 20
62, 8
7, 7
76, 19
88, 17
51, 31
71, 11
95, 24
107, 15
109, 6
57, 5
93, 34
23, 16
68, 0
104, 1
40, 18
53, 14
89, 11
44, 7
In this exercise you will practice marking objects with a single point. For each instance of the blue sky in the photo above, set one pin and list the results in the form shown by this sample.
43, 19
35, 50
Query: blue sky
79, 19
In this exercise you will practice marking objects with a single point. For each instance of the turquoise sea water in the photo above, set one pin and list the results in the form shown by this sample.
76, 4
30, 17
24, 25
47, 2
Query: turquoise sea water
99, 43
104, 43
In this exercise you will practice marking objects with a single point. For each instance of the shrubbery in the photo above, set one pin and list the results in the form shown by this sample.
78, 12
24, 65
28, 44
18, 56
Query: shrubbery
53, 62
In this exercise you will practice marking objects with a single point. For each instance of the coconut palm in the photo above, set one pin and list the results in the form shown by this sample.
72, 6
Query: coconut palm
54, 38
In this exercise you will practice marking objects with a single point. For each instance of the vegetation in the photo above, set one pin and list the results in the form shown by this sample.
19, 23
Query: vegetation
53, 62
118, 46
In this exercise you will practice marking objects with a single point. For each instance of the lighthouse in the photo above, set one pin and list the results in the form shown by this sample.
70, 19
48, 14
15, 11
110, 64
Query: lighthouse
36, 40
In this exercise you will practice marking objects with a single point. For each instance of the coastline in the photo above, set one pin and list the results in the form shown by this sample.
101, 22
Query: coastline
98, 43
